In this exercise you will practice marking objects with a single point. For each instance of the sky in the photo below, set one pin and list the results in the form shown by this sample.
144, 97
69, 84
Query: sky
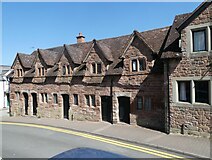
27, 26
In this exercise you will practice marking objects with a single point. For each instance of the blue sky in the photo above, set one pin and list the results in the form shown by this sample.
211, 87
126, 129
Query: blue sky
28, 26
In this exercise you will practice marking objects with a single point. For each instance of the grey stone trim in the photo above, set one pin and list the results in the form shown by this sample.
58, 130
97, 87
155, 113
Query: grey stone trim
189, 47
175, 96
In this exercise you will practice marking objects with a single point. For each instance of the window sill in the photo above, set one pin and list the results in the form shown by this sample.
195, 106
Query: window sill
93, 74
194, 105
200, 53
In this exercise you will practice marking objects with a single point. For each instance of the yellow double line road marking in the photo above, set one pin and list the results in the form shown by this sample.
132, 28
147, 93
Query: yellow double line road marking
98, 138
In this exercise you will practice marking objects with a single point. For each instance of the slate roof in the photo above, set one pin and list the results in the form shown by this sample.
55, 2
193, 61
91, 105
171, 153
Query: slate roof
53, 71
171, 48
112, 49
174, 34
77, 51
155, 37
30, 73
194, 14
106, 51
48, 56
26, 59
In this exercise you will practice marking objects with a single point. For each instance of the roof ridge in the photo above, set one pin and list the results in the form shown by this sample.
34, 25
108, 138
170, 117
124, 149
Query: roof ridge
106, 38
183, 14
23, 53
155, 29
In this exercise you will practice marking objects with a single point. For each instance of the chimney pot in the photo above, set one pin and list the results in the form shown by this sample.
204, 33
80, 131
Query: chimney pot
80, 38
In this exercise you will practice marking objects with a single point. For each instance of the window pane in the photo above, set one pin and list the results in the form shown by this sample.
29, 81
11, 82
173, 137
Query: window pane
93, 68
93, 100
148, 103
43, 71
87, 100
202, 91
68, 68
55, 99
184, 91
199, 41
139, 103
21, 72
141, 64
17, 72
134, 65
99, 68
75, 99
46, 97
42, 97
64, 70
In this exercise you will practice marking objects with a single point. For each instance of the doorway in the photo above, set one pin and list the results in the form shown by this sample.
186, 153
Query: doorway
34, 103
26, 99
66, 106
124, 109
106, 107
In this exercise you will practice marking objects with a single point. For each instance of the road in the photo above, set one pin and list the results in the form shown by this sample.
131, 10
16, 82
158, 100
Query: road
35, 141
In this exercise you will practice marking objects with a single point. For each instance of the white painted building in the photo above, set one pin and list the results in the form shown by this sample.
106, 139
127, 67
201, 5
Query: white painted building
5, 71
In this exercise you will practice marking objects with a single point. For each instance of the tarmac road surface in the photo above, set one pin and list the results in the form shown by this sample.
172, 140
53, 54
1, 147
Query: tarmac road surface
37, 141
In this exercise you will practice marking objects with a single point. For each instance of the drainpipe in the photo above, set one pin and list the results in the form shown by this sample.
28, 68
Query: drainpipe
166, 97
111, 95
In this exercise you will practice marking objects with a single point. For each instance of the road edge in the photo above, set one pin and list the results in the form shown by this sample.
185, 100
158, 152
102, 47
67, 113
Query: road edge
121, 139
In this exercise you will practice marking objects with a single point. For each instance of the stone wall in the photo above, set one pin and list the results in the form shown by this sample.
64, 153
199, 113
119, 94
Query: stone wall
190, 118
145, 84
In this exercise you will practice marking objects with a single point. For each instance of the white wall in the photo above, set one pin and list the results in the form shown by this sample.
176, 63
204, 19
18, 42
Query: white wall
4, 86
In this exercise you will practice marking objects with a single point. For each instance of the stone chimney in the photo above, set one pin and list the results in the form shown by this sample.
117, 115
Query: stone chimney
80, 38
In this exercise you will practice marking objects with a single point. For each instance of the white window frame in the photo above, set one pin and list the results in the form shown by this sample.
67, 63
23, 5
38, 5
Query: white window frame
175, 97
41, 71
94, 68
90, 100
66, 69
44, 97
137, 60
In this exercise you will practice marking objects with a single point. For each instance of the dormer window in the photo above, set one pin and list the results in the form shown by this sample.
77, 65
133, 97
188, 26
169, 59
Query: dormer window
20, 72
96, 68
138, 65
41, 71
66, 70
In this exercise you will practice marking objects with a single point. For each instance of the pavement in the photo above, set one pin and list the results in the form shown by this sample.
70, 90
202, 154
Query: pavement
188, 145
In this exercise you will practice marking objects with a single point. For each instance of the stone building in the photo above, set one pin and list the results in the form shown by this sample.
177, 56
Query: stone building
158, 79
187, 73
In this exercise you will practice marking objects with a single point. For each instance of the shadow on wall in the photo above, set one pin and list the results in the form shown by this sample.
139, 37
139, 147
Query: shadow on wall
148, 105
